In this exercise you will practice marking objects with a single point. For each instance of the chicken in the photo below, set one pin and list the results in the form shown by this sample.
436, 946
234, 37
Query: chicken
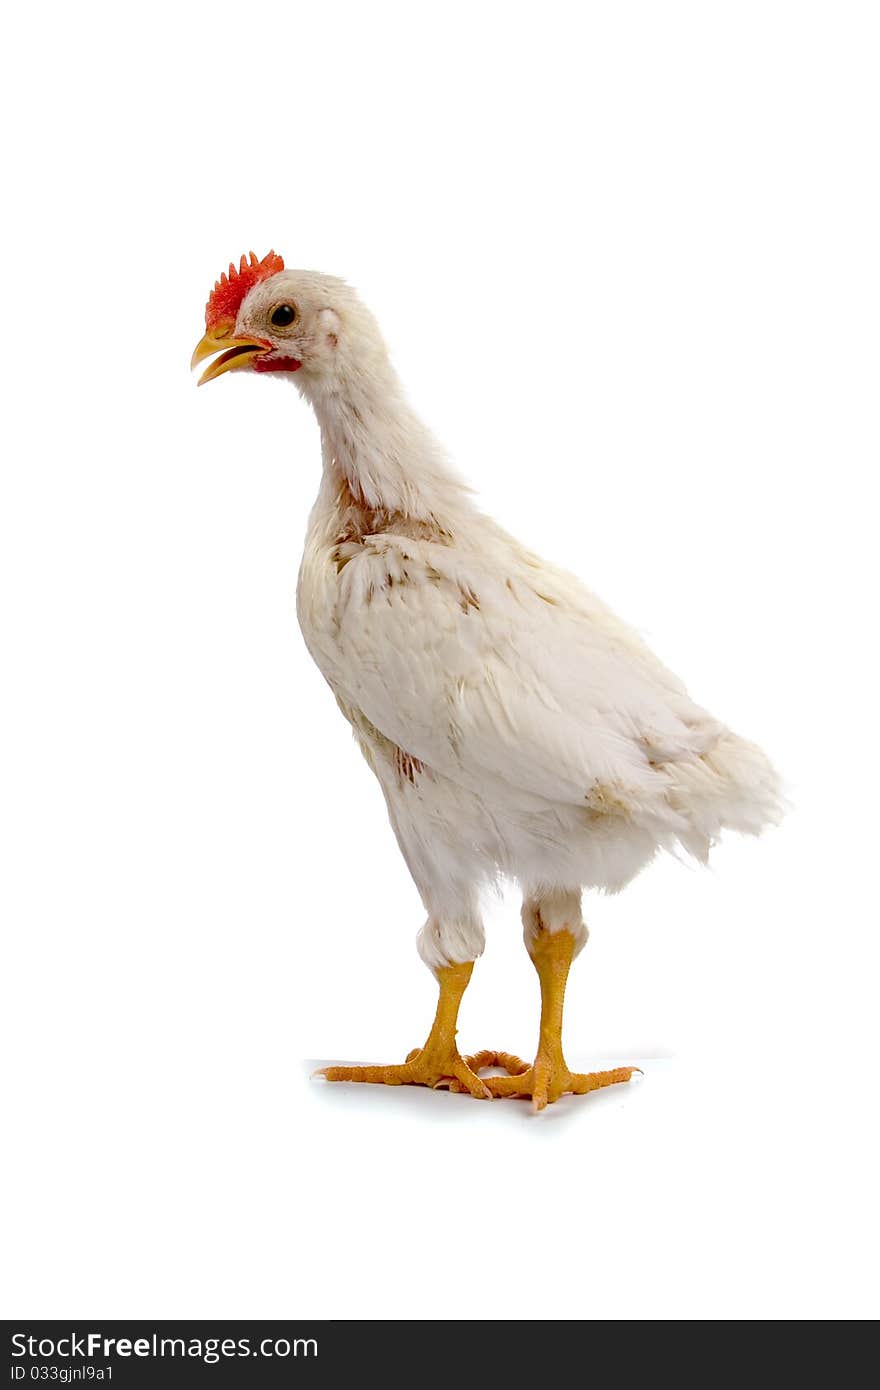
518, 729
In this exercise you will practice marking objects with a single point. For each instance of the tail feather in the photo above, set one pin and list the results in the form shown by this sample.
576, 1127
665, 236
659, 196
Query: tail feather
732, 786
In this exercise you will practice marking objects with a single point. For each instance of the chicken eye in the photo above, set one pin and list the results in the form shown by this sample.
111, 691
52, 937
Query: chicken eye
282, 315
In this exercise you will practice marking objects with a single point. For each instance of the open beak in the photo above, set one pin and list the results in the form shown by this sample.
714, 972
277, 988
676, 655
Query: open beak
234, 353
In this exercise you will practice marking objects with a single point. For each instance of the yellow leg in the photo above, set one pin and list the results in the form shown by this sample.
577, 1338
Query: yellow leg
439, 1062
548, 1077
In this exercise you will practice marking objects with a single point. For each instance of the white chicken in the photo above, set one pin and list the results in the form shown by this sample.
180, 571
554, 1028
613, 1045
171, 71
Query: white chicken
516, 726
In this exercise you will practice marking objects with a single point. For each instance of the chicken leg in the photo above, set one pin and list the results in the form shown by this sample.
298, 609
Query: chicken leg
548, 1077
438, 1063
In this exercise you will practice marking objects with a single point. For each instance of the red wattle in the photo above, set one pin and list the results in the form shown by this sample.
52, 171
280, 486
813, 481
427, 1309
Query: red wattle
276, 364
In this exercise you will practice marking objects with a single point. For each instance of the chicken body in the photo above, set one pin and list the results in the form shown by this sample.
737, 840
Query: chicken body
516, 726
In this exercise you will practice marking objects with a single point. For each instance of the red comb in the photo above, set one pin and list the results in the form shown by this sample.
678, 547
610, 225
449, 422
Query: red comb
229, 291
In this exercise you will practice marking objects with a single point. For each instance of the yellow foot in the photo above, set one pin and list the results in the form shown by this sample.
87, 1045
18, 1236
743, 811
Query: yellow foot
546, 1080
423, 1067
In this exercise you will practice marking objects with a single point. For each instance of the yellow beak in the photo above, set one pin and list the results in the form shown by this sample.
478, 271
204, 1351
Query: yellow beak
234, 353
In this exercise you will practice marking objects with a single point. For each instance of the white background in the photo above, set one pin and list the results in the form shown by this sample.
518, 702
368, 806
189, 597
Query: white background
627, 260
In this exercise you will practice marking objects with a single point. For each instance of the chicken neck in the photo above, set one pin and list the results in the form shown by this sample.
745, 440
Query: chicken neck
382, 466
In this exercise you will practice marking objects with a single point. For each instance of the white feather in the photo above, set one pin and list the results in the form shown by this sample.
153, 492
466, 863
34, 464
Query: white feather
516, 726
